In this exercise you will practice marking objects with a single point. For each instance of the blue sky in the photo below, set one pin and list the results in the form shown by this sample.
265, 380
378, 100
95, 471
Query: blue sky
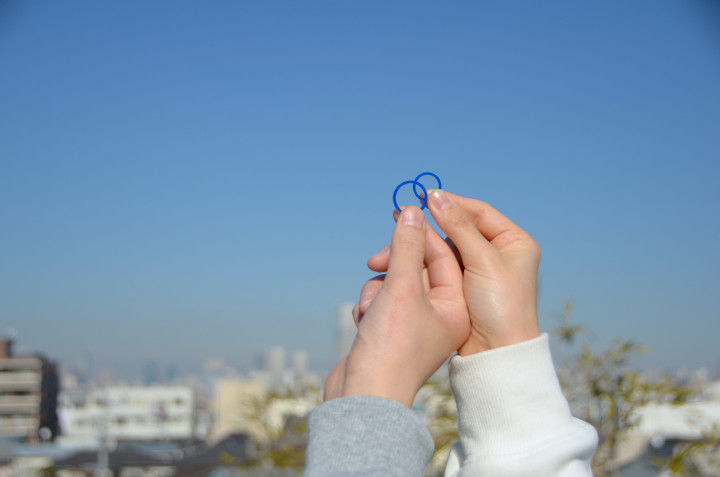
185, 180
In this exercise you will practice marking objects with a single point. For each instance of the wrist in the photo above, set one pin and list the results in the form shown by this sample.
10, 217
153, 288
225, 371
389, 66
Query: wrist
373, 385
477, 343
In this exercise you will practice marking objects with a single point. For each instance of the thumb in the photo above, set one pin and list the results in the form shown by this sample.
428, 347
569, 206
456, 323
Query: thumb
407, 251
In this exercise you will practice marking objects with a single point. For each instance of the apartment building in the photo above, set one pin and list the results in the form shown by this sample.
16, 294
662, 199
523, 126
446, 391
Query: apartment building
28, 395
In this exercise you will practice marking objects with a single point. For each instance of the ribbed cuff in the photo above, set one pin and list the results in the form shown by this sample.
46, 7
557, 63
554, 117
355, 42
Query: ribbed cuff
509, 399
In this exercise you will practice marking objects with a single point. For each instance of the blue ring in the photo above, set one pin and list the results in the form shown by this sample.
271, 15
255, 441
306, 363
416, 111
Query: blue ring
417, 182
397, 207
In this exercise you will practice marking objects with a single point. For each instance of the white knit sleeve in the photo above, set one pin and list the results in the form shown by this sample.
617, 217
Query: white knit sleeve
513, 417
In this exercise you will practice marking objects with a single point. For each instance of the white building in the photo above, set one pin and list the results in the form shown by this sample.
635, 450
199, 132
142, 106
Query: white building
129, 413
657, 423
691, 421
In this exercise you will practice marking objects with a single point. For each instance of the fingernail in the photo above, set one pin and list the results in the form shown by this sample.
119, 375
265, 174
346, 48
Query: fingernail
440, 200
413, 217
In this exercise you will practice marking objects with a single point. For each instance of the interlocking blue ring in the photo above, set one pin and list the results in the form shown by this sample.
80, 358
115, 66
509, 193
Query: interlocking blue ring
424, 203
415, 184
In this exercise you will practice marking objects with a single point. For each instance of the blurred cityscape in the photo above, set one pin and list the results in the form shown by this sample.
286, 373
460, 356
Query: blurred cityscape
66, 422
72, 421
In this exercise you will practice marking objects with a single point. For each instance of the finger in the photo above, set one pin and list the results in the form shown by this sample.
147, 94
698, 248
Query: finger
356, 313
379, 262
455, 252
489, 221
442, 264
407, 251
436, 253
459, 226
367, 294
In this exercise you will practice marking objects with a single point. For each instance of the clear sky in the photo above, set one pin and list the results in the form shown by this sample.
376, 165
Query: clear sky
186, 180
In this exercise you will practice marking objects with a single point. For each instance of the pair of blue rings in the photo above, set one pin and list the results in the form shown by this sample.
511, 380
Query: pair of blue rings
416, 183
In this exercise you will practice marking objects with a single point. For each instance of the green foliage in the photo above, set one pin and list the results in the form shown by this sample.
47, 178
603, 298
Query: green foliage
566, 331
604, 390
46, 472
441, 413
694, 459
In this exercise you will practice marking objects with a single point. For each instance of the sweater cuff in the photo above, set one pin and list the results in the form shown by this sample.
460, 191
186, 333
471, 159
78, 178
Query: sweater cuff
366, 435
509, 399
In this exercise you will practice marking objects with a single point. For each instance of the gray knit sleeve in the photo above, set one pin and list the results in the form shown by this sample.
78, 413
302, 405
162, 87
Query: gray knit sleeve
366, 436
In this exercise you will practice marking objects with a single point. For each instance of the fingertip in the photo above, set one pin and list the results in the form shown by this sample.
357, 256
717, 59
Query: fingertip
454, 221
439, 200
413, 217
379, 261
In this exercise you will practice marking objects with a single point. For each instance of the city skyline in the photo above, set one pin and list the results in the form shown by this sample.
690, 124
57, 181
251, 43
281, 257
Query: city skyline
274, 360
181, 182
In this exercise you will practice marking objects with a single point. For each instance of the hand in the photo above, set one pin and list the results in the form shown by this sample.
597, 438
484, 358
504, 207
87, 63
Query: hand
500, 264
409, 321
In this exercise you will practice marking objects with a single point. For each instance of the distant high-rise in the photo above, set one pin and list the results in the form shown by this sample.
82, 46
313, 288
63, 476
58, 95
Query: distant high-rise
346, 329
151, 373
300, 365
275, 366
171, 373
82, 368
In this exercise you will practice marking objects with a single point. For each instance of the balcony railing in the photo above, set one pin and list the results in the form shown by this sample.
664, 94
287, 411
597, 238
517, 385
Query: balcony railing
20, 363
15, 424
19, 385
27, 404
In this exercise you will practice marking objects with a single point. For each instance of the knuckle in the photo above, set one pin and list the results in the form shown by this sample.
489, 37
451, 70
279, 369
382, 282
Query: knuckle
532, 246
535, 247
459, 221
